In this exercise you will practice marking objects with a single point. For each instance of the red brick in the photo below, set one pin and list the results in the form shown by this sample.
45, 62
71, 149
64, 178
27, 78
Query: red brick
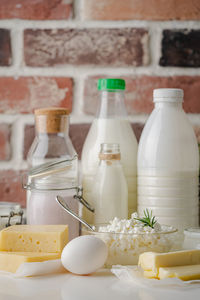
102, 47
5, 47
29, 134
5, 149
141, 10
137, 128
35, 9
180, 48
139, 92
197, 132
11, 187
77, 133
24, 94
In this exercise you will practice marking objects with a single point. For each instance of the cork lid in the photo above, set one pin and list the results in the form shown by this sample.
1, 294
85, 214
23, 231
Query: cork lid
51, 119
51, 111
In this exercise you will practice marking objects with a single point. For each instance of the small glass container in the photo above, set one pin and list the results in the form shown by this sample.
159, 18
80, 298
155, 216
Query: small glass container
125, 248
110, 190
10, 214
191, 238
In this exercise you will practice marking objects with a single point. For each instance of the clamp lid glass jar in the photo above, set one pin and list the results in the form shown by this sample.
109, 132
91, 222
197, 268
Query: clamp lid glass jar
44, 184
10, 214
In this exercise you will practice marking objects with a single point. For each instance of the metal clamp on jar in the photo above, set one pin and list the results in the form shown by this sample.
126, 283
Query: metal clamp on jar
10, 214
44, 184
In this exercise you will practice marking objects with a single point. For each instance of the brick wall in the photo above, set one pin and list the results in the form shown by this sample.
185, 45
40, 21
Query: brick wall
53, 52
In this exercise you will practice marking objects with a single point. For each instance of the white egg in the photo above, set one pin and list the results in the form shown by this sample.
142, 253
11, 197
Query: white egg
84, 254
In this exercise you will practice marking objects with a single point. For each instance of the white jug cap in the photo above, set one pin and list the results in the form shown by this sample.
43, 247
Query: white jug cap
169, 95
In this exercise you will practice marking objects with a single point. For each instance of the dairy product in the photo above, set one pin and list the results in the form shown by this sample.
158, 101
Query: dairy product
183, 272
34, 238
132, 225
110, 130
10, 261
173, 198
152, 262
149, 274
127, 239
175, 202
110, 192
168, 163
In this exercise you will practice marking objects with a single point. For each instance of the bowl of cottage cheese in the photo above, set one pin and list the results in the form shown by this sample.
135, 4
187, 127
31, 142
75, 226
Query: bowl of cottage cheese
127, 239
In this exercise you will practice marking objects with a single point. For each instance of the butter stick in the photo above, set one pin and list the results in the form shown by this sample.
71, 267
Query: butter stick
183, 272
149, 274
151, 261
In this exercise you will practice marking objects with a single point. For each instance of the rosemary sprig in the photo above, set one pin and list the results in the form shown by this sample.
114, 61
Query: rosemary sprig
148, 219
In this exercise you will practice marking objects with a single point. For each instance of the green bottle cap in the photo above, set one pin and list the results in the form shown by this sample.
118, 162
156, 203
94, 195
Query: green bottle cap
111, 84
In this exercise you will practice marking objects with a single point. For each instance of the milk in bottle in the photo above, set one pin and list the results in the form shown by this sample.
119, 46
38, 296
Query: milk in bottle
110, 191
110, 126
168, 163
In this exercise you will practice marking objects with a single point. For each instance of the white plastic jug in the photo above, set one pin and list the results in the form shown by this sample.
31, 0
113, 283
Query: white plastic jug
168, 163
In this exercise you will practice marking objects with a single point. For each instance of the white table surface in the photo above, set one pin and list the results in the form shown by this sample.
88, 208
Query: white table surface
99, 286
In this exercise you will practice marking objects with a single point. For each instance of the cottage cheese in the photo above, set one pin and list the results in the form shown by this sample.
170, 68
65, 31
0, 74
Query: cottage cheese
127, 239
129, 226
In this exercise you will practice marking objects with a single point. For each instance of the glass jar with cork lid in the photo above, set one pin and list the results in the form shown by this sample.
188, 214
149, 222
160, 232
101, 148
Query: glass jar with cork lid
53, 170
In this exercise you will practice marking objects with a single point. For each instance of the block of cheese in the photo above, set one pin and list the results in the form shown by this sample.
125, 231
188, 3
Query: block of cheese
10, 261
34, 238
151, 261
183, 272
149, 274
